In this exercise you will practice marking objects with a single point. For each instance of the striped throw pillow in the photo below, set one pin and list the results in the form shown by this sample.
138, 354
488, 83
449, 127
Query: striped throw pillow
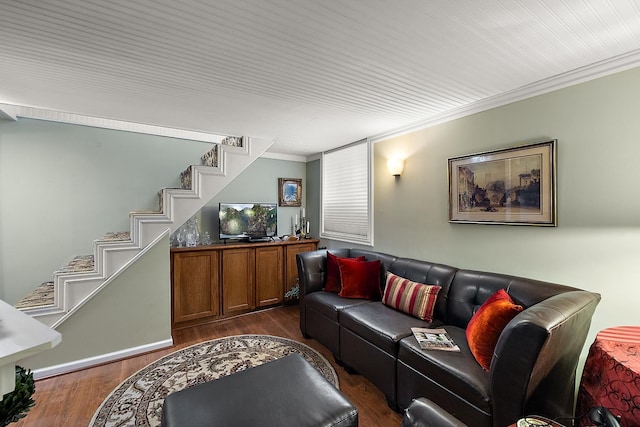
410, 297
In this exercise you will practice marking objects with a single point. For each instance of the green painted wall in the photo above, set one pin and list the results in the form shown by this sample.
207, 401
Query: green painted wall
134, 310
258, 183
63, 186
596, 245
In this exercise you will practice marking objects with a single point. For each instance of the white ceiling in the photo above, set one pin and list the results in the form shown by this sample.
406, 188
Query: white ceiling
311, 74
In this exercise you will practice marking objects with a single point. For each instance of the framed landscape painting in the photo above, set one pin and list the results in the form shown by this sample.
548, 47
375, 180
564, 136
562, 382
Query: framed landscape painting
511, 186
289, 191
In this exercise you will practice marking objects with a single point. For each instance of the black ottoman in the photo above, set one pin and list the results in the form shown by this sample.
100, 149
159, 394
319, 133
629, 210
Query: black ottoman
285, 392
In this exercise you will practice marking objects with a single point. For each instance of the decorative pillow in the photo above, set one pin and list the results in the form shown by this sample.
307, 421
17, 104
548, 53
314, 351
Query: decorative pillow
360, 279
332, 274
487, 324
410, 297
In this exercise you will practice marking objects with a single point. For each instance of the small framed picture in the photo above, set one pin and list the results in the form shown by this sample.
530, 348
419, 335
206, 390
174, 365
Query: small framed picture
510, 186
290, 192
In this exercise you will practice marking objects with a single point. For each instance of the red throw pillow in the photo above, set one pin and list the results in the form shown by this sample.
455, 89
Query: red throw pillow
413, 298
332, 281
487, 324
360, 279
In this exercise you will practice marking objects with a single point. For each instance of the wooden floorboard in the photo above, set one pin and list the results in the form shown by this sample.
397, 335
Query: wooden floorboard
70, 400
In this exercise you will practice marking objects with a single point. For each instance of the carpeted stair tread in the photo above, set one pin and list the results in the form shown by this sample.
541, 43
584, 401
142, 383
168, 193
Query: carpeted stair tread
233, 141
79, 264
210, 158
116, 236
185, 178
42, 296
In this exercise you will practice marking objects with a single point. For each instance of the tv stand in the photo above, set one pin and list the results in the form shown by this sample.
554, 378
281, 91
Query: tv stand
218, 281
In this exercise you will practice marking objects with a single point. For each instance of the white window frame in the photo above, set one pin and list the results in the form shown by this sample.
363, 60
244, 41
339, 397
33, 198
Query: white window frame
333, 228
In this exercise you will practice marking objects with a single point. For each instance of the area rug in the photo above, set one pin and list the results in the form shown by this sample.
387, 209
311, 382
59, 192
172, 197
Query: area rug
137, 401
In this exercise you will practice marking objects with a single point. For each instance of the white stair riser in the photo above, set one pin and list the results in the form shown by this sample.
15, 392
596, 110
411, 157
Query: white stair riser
116, 258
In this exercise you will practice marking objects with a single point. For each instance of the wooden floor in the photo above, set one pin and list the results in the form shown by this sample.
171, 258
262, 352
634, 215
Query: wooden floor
70, 400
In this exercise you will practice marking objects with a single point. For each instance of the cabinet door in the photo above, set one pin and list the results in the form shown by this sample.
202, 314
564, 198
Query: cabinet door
195, 285
291, 268
238, 280
269, 276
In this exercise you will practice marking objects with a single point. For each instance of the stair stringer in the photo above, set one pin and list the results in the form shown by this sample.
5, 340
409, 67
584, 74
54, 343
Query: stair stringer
73, 290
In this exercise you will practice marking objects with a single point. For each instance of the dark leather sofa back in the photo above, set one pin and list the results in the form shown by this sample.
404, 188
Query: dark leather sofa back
471, 289
431, 274
386, 261
311, 272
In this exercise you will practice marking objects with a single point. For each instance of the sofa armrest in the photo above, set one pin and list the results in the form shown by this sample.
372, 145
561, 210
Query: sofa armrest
534, 363
311, 268
424, 413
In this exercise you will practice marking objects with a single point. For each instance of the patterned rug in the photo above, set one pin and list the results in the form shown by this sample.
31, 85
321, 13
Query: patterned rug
138, 400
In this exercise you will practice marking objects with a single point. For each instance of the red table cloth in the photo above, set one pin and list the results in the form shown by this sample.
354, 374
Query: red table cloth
611, 376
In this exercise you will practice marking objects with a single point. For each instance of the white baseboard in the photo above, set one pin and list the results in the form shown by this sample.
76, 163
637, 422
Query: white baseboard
65, 368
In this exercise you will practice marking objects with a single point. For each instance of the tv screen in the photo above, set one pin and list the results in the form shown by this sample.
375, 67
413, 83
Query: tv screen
247, 220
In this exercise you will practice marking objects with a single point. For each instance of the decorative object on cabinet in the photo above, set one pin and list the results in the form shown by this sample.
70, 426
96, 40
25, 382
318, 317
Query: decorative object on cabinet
510, 186
289, 191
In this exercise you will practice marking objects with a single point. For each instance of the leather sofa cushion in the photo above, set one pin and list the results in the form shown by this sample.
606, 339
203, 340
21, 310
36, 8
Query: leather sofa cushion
330, 304
380, 325
457, 372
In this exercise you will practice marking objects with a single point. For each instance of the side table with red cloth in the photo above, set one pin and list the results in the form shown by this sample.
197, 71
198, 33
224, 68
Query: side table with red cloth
611, 376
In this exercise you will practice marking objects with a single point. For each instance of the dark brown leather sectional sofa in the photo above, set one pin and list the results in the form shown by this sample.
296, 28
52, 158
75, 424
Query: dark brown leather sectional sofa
533, 370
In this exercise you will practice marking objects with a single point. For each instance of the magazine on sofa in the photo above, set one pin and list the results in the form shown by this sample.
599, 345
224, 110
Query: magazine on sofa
434, 339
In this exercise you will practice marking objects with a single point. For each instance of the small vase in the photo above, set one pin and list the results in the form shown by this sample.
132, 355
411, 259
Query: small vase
193, 235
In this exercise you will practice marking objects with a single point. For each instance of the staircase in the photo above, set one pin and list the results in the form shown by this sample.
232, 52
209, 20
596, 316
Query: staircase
73, 285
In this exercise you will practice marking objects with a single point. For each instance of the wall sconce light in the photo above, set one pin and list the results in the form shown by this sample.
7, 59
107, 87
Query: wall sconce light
395, 166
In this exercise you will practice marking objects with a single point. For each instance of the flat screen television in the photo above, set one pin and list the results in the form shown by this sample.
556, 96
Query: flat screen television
247, 221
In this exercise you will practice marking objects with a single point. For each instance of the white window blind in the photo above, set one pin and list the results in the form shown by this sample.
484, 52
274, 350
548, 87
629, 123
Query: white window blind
346, 194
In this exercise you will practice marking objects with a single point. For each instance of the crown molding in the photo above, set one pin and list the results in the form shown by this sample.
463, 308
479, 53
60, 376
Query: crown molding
571, 78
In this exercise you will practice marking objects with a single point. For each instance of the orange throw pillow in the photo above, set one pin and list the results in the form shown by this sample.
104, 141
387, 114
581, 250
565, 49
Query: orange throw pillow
487, 324
332, 281
360, 279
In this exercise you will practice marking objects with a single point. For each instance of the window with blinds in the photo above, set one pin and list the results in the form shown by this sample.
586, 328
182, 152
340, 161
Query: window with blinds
347, 196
